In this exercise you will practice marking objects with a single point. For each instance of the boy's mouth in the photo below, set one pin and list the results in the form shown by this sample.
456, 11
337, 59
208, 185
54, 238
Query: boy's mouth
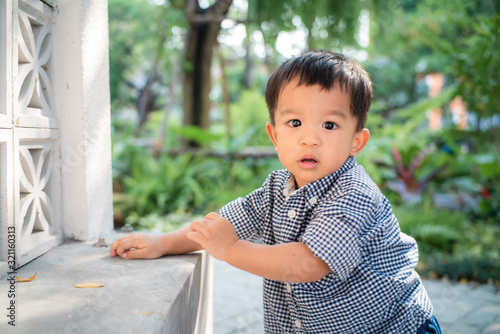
308, 162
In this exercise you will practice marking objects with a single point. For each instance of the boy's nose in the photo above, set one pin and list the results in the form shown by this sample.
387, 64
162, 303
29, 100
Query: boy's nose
309, 136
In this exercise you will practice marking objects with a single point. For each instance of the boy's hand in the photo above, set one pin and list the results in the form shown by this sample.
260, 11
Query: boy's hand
214, 233
137, 246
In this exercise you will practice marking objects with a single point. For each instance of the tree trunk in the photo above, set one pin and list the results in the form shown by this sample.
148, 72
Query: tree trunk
204, 27
146, 101
225, 95
160, 142
248, 75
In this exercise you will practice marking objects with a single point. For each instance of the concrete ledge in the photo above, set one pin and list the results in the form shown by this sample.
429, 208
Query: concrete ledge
150, 296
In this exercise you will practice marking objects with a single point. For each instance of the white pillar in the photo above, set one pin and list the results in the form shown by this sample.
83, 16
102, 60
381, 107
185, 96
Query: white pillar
83, 102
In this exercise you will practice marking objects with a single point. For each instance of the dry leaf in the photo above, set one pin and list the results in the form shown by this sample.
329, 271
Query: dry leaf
29, 279
147, 313
89, 285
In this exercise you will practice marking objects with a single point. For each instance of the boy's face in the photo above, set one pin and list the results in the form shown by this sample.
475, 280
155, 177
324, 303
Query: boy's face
314, 131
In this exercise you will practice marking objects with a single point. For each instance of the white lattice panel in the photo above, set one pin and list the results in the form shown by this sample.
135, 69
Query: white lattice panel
33, 105
37, 191
35, 148
44, 56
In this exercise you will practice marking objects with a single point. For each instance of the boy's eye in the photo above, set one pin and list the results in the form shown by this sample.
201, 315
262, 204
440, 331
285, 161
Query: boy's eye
329, 125
294, 123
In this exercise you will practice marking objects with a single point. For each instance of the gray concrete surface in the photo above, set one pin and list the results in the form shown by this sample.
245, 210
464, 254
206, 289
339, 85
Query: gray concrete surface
139, 296
460, 308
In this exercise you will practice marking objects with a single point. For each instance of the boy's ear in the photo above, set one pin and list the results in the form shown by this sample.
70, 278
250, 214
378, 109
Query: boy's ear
271, 132
359, 141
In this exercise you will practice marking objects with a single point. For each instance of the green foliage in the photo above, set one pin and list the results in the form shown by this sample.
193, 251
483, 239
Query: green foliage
122, 151
142, 36
197, 134
467, 33
243, 176
248, 120
480, 83
434, 230
183, 184
478, 257
450, 245
170, 183
157, 223
453, 37
486, 172
456, 215
326, 22
150, 190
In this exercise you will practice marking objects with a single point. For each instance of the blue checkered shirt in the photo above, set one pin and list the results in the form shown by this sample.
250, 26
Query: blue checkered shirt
346, 221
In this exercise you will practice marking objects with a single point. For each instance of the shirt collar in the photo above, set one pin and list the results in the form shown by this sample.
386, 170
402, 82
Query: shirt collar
319, 187
290, 187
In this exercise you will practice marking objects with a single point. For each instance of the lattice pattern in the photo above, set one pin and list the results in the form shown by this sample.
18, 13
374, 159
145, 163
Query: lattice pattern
34, 52
36, 190
36, 209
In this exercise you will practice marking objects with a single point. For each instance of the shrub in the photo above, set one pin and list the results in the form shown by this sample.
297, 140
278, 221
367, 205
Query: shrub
451, 245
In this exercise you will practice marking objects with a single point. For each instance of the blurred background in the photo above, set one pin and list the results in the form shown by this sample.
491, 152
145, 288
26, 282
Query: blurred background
188, 111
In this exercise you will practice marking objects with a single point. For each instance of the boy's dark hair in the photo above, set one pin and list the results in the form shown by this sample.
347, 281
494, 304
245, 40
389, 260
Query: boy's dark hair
327, 69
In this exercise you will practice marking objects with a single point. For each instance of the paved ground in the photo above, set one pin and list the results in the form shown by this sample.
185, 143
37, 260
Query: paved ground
460, 308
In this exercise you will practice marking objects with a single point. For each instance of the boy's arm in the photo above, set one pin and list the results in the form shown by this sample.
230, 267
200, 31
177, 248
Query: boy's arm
290, 262
143, 246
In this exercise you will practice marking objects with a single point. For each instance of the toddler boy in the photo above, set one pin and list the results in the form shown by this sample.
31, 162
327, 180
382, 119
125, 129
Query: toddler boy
333, 257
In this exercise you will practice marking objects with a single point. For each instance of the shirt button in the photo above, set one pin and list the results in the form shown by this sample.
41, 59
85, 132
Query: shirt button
288, 288
292, 214
298, 324
313, 200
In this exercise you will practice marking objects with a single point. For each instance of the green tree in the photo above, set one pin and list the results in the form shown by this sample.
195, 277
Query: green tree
458, 39
454, 37
204, 25
145, 44
141, 28
324, 20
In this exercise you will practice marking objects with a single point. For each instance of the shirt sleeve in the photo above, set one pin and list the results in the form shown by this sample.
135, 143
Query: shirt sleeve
334, 234
336, 243
249, 213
